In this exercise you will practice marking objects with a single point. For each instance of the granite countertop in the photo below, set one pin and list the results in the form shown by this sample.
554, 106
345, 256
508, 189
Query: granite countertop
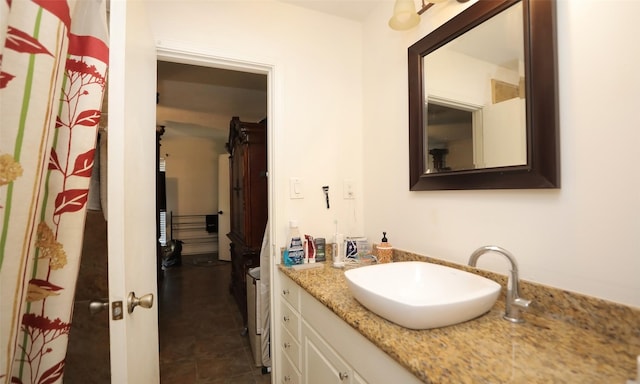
488, 349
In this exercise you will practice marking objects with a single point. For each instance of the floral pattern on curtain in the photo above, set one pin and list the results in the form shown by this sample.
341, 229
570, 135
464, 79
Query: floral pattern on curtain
53, 63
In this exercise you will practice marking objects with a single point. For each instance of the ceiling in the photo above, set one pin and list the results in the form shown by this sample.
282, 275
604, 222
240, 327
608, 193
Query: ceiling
357, 10
200, 101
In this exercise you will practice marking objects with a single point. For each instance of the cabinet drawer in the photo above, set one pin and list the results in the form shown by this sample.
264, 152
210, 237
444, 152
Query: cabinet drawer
322, 364
290, 320
290, 347
290, 374
357, 379
291, 292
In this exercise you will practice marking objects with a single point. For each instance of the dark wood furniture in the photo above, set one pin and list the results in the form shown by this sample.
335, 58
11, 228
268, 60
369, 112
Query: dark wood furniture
247, 147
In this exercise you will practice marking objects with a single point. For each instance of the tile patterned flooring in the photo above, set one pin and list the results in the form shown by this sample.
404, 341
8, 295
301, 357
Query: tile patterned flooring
199, 323
200, 328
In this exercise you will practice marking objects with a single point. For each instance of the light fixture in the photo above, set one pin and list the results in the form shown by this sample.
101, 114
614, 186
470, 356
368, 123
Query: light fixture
405, 15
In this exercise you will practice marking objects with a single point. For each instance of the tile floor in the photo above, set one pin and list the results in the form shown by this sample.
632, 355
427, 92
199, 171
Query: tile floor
200, 327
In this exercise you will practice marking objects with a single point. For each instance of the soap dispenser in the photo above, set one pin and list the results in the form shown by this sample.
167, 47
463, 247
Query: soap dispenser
384, 250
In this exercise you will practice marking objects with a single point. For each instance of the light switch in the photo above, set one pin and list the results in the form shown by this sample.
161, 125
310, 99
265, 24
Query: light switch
295, 188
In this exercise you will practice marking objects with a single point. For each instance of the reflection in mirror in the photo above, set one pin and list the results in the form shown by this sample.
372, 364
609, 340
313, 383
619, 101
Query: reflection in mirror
483, 110
474, 97
450, 138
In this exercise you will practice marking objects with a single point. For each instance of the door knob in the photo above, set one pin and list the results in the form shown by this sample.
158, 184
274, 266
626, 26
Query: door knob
95, 306
220, 212
145, 301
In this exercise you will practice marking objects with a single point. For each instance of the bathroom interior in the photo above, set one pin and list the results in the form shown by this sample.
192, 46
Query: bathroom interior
339, 116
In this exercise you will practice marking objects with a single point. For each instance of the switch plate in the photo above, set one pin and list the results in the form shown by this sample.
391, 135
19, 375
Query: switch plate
295, 188
348, 190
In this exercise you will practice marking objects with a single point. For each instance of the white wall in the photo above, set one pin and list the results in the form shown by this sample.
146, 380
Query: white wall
191, 174
316, 88
583, 237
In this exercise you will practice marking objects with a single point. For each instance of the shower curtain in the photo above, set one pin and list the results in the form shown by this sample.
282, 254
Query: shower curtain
53, 62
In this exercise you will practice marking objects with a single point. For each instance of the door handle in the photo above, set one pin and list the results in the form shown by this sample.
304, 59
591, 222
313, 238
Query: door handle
98, 305
145, 301
220, 212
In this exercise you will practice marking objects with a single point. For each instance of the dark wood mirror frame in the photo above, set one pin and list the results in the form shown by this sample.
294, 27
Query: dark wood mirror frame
543, 155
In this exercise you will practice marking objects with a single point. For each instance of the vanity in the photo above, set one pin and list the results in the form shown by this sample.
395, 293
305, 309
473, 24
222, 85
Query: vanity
317, 346
327, 336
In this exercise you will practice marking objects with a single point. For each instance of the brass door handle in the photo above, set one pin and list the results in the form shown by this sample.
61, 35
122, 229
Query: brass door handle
145, 301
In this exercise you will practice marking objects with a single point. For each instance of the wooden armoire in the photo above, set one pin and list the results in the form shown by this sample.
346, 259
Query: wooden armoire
247, 147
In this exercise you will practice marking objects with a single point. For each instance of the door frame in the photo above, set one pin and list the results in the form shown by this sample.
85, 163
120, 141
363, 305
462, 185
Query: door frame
186, 53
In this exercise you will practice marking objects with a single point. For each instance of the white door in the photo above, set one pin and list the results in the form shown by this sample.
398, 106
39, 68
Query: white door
504, 134
131, 193
224, 209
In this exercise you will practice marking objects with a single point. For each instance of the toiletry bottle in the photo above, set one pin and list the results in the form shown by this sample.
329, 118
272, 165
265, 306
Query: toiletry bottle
320, 249
338, 251
310, 249
384, 250
295, 248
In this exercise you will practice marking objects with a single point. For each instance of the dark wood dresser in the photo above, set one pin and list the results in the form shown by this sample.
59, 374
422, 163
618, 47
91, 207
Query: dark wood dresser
247, 147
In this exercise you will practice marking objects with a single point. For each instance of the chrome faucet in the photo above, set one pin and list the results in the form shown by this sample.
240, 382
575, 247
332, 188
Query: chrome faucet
514, 303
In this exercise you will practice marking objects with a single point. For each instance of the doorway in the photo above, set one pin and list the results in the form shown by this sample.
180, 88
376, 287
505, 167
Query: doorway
81, 306
201, 336
195, 107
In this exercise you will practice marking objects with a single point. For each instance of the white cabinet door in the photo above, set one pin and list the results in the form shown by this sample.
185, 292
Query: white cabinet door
288, 342
357, 379
322, 365
289, 374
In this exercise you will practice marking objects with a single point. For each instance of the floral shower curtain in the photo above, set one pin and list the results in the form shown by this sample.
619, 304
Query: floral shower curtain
53, 62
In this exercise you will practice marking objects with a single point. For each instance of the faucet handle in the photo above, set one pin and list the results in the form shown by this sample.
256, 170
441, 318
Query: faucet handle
522, 303
514, 306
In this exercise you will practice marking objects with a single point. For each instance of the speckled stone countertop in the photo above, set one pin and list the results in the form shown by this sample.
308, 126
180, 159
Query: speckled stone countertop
567, 338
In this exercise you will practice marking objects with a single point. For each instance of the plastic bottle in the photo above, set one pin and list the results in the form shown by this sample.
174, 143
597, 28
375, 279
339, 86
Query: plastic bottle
295, 247
338, 251
320, 249
309, 249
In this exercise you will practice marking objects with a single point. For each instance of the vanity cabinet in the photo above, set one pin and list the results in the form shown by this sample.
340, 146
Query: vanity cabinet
321, 363
290, 333
318, 347
247, 148
357, 379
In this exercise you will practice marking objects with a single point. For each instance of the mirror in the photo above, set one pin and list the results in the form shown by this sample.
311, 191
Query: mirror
483, 100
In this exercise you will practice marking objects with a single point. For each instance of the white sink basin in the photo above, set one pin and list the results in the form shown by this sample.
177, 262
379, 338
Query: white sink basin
421, 295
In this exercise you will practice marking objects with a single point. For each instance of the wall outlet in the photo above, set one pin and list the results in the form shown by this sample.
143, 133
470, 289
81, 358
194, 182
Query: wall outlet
348, 190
